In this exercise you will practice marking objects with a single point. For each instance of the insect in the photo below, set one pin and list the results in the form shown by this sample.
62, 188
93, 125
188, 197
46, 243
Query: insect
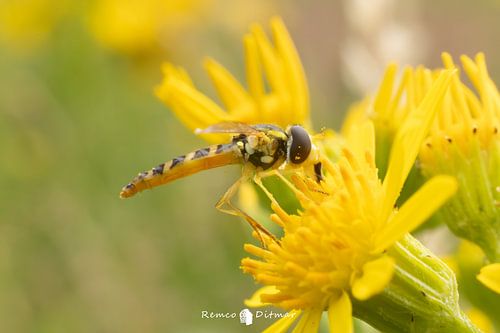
262, 150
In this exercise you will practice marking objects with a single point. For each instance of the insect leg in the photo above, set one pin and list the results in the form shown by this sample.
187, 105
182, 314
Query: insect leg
230, 209
317, 172
299, 194
257, 179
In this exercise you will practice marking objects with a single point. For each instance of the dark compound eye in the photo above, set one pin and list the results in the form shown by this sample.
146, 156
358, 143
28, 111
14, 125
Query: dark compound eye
299, 145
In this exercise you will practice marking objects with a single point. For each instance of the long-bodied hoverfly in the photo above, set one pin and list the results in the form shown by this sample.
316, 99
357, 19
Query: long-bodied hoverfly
259, 148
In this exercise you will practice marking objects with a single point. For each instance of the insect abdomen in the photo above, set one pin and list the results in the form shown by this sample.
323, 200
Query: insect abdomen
182, 166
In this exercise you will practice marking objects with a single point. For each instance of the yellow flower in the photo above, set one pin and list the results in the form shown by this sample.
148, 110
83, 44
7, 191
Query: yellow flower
480, 320
464, 142
339, 249
490, 277
464, 115
277, 66
138, 27
26, 24
467, 261
388, 108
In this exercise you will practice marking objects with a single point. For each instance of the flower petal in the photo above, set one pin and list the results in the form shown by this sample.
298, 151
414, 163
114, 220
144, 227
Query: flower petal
416, 210
284, 323
356, 114
481, 320
490, 277
271, 63
254, 300
340, 314
409, 138
230, 91
384, 96
169, 70
376, 275
309, 322
193, 103
362, 139
294, 71
253, 69
248, 198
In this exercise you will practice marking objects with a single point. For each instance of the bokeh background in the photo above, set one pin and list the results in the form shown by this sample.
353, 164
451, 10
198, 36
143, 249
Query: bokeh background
78, 119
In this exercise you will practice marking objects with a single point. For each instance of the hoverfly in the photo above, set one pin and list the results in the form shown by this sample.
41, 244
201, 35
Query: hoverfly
262, 149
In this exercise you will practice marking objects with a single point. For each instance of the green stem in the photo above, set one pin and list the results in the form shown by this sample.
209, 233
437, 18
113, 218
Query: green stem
421, 297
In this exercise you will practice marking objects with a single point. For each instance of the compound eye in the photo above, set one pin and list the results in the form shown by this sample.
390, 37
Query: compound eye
299, 145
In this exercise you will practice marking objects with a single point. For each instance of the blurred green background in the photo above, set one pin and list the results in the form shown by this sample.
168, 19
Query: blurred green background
78, 119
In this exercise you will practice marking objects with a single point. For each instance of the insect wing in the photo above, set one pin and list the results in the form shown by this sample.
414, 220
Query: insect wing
228, 127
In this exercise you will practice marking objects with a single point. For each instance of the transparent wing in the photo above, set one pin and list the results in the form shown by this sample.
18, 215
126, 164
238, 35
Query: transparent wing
228, 127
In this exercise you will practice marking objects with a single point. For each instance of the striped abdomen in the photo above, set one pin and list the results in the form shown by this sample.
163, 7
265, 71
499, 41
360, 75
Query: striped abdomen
182, 166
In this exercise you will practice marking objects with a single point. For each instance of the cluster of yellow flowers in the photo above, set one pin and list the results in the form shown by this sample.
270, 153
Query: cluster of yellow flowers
136, 27
129, 27
347, 250
25, 24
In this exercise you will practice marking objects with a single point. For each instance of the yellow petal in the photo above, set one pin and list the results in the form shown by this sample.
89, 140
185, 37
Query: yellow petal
191, 107
420, 206
271, 62
376, 275
340, 314
248, 198
481, 320
309, 322
447, 60
490, 277
470, 255
255, 302
409, 138
362, 140
230, 91
471, 69
253, 68
196, 103
452, 262
356, 115
384, 96
169, 70
284, 323
294, 71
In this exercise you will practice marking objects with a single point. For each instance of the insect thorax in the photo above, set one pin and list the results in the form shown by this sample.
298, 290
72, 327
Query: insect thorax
261, 150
